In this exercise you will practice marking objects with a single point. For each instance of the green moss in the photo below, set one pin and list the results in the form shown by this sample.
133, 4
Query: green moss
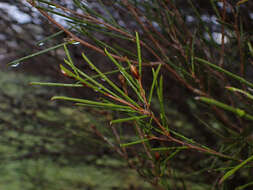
37, 122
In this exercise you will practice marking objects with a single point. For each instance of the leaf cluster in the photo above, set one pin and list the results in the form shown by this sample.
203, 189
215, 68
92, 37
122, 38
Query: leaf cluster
206, 127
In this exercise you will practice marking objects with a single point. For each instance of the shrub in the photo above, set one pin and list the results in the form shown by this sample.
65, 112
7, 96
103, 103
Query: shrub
180, 78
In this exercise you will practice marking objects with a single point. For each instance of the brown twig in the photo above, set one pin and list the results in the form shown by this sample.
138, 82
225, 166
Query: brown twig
97, 132
222, 52
238, 36
125, 155
110, 27
134, 13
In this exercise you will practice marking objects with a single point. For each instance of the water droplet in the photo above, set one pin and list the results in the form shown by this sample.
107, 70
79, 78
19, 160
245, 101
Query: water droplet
197, 98
97, 89
102, 79
85, 3
63, 72
52, 6
76, 43
41, 44
15, 64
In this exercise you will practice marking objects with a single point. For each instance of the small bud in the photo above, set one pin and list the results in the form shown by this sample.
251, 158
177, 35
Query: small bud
123, 83
134, 71
65, 74
157, 156
121, 79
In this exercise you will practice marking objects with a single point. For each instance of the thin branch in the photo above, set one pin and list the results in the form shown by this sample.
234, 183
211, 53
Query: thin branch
222, 52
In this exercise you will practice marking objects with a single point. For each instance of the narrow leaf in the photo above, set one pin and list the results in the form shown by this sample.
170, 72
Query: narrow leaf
90, 82
250, 48
138, 51
37, 53
231, 172
41, 42
128, 119
110, 82
234, 76
127, 76
155, 75
241, 187
237, 111
111, 107
248, 95
70, 61
56, 84
88, 102
134, 143
169, 148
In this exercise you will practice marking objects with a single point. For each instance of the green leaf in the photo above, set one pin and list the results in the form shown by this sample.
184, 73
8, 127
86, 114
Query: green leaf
138, 51
70, 61
56, 84
128, 119
237, 111
128, 77
90, 82
114, 86
155, 75
88, 102
161, 101
241, 187
17, 61
248, 95
111, 107
235, 169
250, 48
134, 143
41, 42
234, 76
169, 148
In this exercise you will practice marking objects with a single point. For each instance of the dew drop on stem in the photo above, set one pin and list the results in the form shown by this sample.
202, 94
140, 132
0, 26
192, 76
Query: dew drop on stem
41, 44
52, 6
76, 43
197, 98
63, 72
15, 64
97, 89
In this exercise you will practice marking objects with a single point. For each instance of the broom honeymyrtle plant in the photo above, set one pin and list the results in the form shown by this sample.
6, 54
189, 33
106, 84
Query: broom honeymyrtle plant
218, 99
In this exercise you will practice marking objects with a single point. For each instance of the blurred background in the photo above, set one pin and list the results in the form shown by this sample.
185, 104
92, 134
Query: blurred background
50, 145
45, 144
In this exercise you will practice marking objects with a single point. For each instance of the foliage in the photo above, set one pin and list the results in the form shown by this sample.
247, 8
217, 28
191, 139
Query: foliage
183, 91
